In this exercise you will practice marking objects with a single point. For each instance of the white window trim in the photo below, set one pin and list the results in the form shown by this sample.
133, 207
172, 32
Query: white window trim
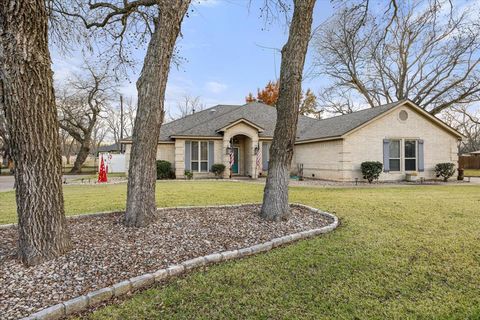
199, 156
402, 155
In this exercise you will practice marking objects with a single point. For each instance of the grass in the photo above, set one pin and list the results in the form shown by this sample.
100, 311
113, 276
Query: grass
472, 173
400, 253
95, 176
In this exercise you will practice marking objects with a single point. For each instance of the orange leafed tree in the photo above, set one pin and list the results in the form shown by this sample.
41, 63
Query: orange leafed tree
268, 95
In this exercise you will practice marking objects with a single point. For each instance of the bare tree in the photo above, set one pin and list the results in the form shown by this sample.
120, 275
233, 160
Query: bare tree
80, 106
426, 51
158, 23
466, 121
100, 132
120, 120
67, 145
28, 100
189, 105
275, 199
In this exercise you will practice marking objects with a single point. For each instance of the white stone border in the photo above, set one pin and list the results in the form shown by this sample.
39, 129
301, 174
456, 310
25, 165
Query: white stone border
93, 298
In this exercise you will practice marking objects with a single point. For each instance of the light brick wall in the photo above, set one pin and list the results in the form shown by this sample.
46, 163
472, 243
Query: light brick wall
366, 144
321, 160
180, 158
164, 152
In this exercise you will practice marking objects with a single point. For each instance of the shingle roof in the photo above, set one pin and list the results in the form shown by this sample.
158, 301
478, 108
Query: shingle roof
339, 125
206, 123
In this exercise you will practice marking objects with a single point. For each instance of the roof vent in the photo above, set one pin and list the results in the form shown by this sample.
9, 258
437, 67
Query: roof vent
212, 110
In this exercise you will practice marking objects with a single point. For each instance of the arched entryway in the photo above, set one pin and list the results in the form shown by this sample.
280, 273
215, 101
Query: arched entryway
242, 150
240, 142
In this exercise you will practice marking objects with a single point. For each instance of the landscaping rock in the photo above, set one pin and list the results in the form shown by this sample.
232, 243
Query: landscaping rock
106, 252
175, 270
142, 281
160, 275
121, 288
52, 313
75, 305
99, 296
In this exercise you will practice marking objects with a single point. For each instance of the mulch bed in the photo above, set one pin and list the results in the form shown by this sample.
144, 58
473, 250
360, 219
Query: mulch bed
105, 251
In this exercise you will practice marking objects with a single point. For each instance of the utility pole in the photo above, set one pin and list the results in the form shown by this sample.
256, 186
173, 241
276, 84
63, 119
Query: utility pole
121, 124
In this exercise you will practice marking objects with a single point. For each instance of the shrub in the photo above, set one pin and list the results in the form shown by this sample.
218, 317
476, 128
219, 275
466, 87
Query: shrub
164, 169
445, 170
218, 169
371, 170
188, 174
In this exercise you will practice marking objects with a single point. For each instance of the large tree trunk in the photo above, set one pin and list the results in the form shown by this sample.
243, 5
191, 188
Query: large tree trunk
82, 155
275, 198
151, 94
26, 94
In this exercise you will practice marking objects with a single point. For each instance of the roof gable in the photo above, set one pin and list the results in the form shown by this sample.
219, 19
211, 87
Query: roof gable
414, 107
242, 120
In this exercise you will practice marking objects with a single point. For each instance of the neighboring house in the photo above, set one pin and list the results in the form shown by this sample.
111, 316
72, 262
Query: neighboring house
475, 153
402, 136
112, 148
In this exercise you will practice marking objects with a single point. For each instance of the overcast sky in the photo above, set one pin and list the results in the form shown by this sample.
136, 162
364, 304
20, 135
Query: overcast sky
223, 45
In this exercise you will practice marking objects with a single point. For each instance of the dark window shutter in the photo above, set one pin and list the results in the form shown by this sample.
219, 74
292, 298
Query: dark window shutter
211, 158
386, 155
421, 157
265, 155
188, 155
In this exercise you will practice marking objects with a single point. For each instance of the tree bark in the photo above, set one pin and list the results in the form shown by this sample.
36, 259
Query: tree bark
27, 96
82, 155
275, 198
151, 94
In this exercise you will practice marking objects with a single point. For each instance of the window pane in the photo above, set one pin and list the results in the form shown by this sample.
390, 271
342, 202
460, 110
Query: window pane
410, 150
204, 150
410, 164
204, 166
394, 164
194, 150
194, 166
395, 149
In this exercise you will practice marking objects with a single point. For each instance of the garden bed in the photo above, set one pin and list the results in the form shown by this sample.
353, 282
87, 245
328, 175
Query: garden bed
106, 252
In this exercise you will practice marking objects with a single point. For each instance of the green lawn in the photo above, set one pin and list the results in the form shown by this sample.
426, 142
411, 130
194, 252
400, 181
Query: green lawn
400, 253
472, 173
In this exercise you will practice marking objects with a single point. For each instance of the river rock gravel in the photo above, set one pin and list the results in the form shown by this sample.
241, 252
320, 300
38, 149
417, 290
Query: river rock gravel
105, 251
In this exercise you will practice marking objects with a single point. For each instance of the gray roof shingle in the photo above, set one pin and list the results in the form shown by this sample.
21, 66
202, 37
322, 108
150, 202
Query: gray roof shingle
206, 123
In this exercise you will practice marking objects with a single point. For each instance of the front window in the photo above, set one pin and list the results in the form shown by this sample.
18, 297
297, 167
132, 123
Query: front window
410, 155
199, 156
394, 155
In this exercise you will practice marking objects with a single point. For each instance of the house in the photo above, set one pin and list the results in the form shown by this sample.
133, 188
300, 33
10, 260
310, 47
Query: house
401, 135
475, 153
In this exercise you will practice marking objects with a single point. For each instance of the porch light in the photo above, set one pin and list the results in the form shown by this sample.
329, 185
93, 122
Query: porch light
257, 148
229, 150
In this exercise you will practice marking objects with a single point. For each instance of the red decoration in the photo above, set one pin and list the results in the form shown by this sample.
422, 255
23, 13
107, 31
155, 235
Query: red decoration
102, 174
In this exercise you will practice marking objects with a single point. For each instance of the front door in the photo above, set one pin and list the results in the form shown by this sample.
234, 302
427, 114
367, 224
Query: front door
235, 166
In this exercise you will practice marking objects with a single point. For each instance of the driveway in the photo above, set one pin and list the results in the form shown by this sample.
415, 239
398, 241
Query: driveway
7, 182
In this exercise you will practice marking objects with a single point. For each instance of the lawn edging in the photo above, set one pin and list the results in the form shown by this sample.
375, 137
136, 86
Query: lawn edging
94, 298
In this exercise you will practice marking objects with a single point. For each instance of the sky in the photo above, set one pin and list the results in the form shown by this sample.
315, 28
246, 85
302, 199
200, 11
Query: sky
228, 51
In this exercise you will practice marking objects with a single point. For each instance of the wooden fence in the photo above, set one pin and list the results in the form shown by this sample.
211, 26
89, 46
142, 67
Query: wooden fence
469, 162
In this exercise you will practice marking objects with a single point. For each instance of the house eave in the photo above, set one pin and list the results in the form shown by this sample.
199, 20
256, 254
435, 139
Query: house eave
313, 140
